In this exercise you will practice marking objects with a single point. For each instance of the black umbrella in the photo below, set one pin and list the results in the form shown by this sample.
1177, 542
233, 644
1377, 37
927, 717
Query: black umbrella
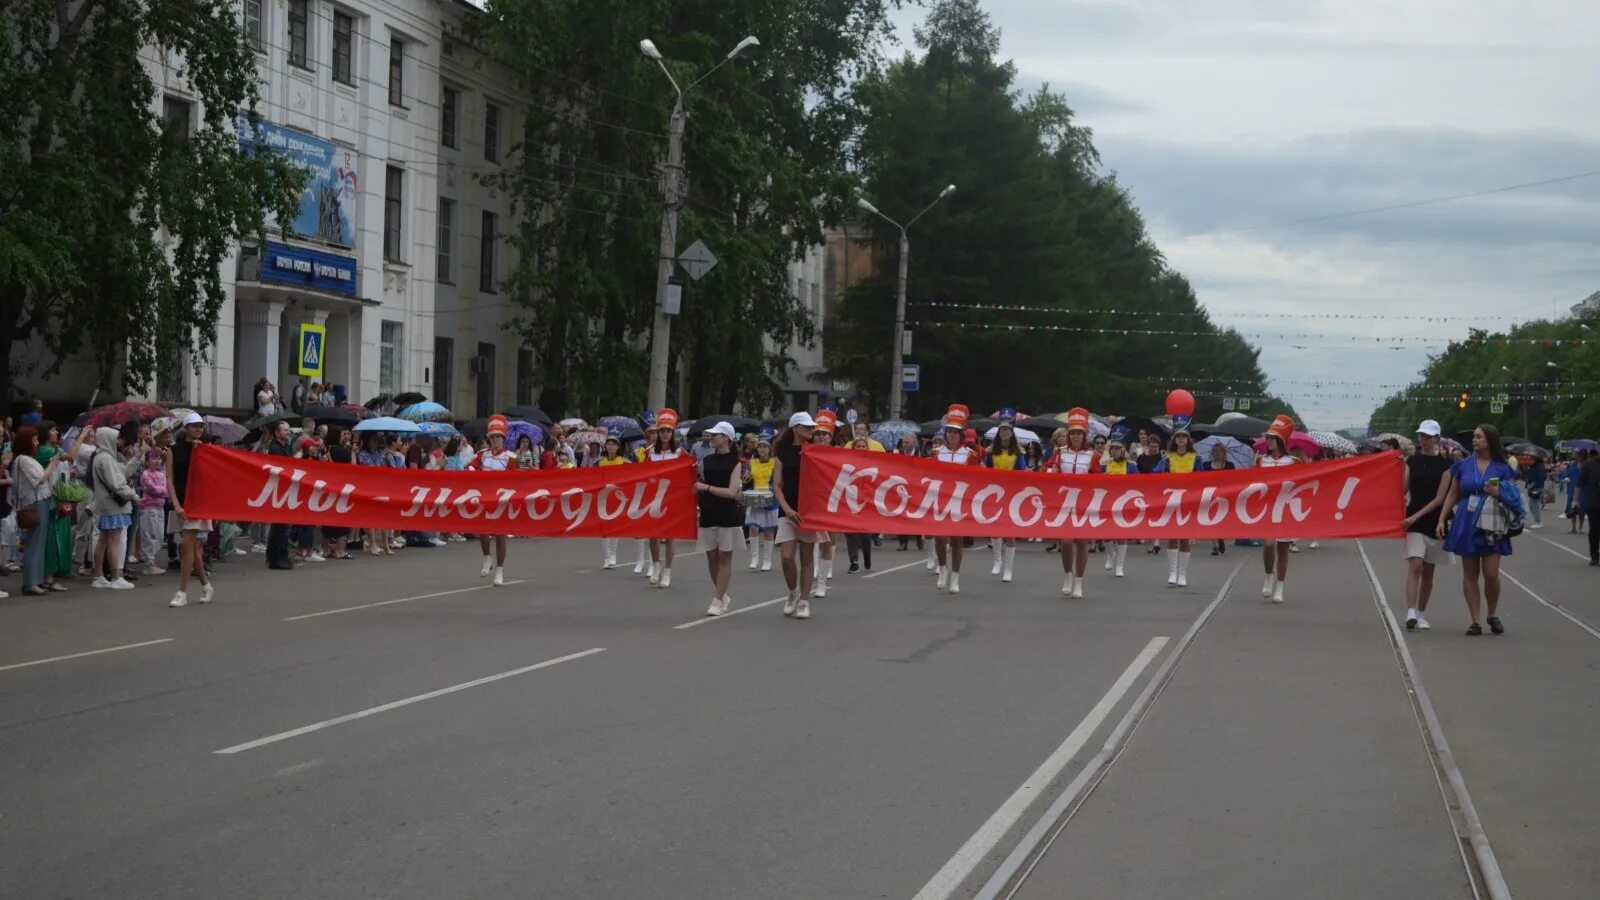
740, 424
531, 414
333, 415
1242, 427
1524, 448
260, 422
1041, 425
1134, 424
477, 428
409, 397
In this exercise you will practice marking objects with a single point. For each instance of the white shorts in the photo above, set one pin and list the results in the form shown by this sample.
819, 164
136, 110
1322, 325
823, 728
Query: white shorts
787, 533
1420, 546
725, 539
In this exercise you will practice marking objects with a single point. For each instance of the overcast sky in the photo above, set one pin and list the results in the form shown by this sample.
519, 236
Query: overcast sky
1232, 120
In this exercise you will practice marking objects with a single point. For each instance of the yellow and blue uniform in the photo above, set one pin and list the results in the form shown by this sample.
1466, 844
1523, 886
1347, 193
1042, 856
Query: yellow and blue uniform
1178, 463
1006, 460
1122, 466
613, 461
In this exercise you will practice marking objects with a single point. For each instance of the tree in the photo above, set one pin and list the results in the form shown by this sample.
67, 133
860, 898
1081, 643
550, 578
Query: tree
113, 225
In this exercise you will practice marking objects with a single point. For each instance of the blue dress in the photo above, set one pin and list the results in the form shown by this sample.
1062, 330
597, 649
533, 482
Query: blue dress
1464, 538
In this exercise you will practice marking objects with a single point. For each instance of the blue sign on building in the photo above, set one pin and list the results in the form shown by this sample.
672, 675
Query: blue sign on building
307, 268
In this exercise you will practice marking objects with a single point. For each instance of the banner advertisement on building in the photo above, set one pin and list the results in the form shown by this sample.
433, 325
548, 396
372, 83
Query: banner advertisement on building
313, 269
852, 491
648, 500
327, 207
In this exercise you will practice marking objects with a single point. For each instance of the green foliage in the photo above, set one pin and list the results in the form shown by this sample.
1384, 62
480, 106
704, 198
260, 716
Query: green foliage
112, 230
1540, 393
1034, 222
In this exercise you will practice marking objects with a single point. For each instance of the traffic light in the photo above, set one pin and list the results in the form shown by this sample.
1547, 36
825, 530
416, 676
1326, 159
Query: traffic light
1463, 402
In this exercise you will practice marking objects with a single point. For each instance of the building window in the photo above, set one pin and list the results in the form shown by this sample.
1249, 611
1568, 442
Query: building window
447, 229
172, 378
299, 33
444, 362
389, 358
397, 57
343, 48
393, 212
486, 270
177, 118
524, 375
491, 132
252, 25
447, 117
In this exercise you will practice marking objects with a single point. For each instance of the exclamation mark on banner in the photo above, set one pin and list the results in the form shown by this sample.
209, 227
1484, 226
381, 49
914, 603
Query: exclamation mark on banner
1344, 495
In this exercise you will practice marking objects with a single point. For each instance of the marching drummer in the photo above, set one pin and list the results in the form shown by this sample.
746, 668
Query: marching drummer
663, 447
957, 452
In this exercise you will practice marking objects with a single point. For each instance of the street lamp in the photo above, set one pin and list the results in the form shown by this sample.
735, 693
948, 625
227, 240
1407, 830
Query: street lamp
896, 397
673, 188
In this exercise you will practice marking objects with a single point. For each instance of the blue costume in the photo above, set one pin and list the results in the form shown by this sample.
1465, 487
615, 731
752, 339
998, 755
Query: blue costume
1464, 538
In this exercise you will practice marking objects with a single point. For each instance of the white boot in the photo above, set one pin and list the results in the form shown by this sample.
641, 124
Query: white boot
1111, 554
666, 577
791, 602
1122, 558
999, 552
955, 582
1172, 567
1183, 567
642, 566
944, 579
819, 587
608, 553
755, 553
655, 574
1009, 562
1266, 586
766, 554
1066, 586
499, 576
488, 563
933, 558
1077, 587
1277, 592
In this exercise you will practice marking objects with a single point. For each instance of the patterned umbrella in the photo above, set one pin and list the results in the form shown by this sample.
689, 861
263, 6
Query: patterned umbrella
1299, 440
1338, 443
426, 411
226, 430
1405, 442
115, 415
889, 433
440, 429
516, 430
1239, 453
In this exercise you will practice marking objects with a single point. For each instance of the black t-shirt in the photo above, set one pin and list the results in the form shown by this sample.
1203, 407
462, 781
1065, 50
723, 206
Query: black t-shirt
719, 512
1147, 462
789, 457
180, 467
1426, 473
338, 454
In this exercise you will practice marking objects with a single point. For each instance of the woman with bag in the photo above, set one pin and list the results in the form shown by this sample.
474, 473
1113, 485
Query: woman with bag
34, 506
1485, 510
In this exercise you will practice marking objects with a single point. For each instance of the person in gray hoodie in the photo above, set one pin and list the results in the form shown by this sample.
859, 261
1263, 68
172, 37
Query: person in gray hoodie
113, 510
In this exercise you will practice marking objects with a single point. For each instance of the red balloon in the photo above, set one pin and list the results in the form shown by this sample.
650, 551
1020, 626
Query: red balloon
1180, 403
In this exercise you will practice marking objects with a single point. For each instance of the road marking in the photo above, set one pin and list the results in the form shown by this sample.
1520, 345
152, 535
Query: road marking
897, 568
340, 720
345, 609
1554, 606
948, 879
40, 662
1477, 838
1560, 546
744, 609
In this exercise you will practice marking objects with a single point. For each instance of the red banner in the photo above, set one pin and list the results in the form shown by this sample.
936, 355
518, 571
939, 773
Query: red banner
645, 500
855, 491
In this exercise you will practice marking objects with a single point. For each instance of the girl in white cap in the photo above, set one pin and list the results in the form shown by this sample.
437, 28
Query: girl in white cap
721, 517
955, 451
794, 541
609, 457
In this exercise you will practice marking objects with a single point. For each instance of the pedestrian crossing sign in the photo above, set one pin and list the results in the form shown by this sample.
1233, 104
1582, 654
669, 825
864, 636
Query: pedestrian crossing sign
313, 341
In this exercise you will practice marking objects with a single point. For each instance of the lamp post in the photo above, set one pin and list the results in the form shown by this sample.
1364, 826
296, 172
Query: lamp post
896, 396
673, 188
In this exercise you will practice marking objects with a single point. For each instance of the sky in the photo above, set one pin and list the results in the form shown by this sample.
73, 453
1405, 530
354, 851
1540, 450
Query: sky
1233, 122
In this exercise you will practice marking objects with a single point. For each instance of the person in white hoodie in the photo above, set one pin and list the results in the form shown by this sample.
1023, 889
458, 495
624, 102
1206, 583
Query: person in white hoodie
113, 510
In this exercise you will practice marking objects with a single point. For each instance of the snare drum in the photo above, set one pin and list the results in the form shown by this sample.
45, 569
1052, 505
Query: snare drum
757, 500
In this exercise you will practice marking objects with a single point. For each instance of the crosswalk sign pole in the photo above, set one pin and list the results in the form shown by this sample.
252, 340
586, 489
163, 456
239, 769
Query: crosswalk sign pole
313, 347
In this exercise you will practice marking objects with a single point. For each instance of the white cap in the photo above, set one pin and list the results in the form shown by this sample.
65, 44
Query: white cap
193, 419
1428, 427
802, 418
722, 428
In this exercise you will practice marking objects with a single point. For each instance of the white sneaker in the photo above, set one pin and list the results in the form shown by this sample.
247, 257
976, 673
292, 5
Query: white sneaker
955, 582
499, 576
99, 582
718, 607
179, 599
240, 551
258, 548
1411, 619
121, 584
153, 570
317, 557
1277, 592
802, 610
793, 601
1266, 588
439, 542
666, 579
207, 592
488, 563
944, 579
1313, 545
1422, 622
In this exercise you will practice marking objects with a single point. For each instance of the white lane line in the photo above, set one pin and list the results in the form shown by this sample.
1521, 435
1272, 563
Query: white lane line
340, 720
40, 662
1554, 606
345, 609
948, 879
1560, 546
1477, 838
765, 603
897, 568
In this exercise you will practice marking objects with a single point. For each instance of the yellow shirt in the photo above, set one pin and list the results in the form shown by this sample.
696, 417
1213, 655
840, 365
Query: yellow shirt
1118, 466
608, 461
761, 473
1181, 463
1003, 460
638, 455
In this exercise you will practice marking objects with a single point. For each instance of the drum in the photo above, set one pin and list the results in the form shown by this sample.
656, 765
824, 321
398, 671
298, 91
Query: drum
757, 500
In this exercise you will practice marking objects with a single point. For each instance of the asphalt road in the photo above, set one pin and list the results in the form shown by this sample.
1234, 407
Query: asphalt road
395, 728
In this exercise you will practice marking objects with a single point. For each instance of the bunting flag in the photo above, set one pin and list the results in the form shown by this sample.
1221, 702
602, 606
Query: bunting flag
1205, 314
1337, 338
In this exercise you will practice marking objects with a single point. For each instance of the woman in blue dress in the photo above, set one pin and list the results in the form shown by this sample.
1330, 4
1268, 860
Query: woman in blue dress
1474, 482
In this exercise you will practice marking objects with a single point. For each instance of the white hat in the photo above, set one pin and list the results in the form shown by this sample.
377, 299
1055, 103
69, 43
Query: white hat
802, 418
1428, 427
193, 419
722, 428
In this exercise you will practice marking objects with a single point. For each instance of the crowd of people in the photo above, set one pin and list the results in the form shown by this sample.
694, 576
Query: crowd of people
110, 505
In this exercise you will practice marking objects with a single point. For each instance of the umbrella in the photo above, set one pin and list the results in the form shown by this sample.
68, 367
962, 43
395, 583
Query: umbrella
1239, 453
1406, 443
259, 422
439, 429
226, 430
1449, 445
889, 433
1577, 444
1523, 448
387, 423
1024, 436
1338, 443
573, 422
1046, 424
477, 428
425, 411
1299, 440
740, 424
346, 414
533, 414
1133, 424
408, 398
377, 401
1243, 427
115, 415
515, 431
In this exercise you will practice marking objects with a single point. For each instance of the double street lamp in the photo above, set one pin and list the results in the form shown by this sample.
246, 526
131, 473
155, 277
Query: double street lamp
896, 396
674, 186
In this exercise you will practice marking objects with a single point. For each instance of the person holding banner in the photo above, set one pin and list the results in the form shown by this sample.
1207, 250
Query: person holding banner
823, 435
721, 518
1275, 554
798, 570
190, 531
1075, 457
494, 458
1006, 455
956, 451
1118, 464
663, 447
1180, 460
611, 456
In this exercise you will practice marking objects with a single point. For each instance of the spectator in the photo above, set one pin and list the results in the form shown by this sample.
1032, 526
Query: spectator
35, 415
152, 510
278, 533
